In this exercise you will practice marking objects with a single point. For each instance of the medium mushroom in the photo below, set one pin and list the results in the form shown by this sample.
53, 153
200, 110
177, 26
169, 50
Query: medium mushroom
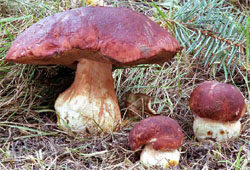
217, 109
162, 136
93, 39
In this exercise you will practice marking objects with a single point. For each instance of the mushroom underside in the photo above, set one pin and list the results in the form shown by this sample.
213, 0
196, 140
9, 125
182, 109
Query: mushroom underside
90, 103
212, 130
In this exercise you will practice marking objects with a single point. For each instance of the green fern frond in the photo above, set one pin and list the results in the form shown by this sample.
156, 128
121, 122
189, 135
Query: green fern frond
211, 30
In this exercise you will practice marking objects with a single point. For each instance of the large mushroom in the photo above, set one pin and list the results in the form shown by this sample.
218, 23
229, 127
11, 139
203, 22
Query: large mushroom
162, 137
217, 109
93, 39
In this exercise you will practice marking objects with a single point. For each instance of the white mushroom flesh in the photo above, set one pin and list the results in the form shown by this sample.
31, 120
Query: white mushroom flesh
207, 129
89, 104
165, 159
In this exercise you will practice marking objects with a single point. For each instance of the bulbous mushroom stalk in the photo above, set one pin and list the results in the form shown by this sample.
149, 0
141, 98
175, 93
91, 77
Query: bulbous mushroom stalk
90, 103
162, 137
207, 129
163, 158
217, 109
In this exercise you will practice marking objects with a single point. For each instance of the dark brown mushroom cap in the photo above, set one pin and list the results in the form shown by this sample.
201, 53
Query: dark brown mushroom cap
160, 131
116, 35
217, 101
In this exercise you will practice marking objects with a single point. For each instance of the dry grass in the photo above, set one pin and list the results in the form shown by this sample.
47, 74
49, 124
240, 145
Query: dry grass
30, 138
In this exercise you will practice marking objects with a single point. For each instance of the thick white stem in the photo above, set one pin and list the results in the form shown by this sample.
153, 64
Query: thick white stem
90, 104
165, 159
212, 130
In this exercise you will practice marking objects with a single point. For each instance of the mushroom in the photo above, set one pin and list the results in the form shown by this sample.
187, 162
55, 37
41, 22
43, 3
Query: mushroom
138, 104
162, 136
93, 39
217, 109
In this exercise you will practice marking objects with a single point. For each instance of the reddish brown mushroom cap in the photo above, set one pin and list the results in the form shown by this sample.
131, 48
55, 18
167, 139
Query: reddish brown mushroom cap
217, 101
116, 35
159, 131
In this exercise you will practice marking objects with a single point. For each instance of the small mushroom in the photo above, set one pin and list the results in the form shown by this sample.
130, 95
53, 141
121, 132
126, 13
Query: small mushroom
93, 39
162, 136
138, 104
217, 109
